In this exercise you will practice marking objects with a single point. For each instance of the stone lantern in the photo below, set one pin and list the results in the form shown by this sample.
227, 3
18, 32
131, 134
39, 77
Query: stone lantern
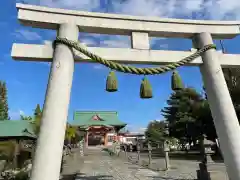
207, 150
166, 147
166, 142
149, 153
138, 151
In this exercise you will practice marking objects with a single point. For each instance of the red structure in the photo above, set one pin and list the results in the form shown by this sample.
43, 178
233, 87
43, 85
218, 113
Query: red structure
101, 127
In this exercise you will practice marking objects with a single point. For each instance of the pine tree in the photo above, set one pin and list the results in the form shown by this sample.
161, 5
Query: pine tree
181, 114
37, 119
232, 77
205, 115
37, 111
3, 102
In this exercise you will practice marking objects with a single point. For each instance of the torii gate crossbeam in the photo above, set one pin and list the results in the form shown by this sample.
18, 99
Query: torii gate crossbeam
68, 24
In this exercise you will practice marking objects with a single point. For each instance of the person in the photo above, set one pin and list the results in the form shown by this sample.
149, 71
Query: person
69, 147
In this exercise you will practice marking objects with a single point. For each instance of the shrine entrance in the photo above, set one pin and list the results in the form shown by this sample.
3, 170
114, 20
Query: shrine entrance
67, 51
101, 127
96, 138
97, 135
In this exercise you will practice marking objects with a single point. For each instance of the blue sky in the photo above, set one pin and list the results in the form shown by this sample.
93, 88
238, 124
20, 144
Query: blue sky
27, 81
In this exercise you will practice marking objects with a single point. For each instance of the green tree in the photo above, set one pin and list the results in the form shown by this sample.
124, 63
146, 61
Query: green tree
3, 102
232, 77
37, 119
204, 116
181, 114
155, 131
71, 133
189, 114
26, 118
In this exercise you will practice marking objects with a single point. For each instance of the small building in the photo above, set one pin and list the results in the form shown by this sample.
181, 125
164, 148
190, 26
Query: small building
101, 127
15, 137
133, 138
17, 130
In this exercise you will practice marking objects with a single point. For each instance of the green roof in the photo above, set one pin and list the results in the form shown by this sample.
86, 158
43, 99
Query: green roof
18, 128
96, 118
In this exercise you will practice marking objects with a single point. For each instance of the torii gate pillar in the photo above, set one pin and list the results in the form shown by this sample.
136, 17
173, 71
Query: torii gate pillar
48, 155
223, 112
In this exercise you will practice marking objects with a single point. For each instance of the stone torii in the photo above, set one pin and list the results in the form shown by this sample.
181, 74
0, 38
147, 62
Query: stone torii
68, 23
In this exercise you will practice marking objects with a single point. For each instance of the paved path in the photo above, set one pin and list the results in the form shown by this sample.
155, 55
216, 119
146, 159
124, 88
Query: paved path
98, 165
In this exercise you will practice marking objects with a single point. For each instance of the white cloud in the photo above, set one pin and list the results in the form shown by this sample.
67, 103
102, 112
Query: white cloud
24, 34
208, 9
47, 42
135, 129
141, 7
15, 115
87, 5
88, 42
158, 120
200, 9
116, 42
21, 112
164, 46
223, 9
98, 67
142, 129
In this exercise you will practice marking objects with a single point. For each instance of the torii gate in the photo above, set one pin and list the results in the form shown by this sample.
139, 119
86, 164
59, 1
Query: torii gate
68, 23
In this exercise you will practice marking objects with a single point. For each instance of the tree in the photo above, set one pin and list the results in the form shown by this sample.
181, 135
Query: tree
184, 124
37, 119
204, 116
71, 133
155, 131
26, 118
3, 102
189, 114
232, 77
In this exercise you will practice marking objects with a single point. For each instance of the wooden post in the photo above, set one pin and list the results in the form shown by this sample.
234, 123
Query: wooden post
16, 153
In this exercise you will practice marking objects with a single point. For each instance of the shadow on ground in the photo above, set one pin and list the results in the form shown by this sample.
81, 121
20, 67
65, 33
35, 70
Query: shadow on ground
68, 177
168, 178
81, 176
196, 156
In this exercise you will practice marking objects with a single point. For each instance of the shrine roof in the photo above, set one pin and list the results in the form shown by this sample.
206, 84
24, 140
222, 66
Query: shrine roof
97, 118
16, 128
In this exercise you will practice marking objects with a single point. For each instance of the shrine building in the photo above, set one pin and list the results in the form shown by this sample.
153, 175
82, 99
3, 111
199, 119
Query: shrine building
101, 127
